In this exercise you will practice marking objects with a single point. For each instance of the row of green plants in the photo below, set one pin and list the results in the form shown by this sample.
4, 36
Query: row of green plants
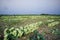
52, 24
49, 21
13, 33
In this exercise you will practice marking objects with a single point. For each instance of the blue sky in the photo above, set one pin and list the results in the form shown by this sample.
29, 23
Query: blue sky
29, 6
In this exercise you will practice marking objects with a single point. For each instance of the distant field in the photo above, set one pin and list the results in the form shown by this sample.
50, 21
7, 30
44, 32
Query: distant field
47, 25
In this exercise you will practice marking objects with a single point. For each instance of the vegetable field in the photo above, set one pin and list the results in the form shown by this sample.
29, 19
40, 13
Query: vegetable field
43, 27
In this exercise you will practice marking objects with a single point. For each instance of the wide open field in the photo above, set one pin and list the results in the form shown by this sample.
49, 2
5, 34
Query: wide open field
48, 26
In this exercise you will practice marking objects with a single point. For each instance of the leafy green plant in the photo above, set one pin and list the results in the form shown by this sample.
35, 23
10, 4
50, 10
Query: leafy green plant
8, 35
55, 31
11, 37
36, 36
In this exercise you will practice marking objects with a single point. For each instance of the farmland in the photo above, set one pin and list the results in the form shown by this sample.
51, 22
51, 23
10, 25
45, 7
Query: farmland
24, 27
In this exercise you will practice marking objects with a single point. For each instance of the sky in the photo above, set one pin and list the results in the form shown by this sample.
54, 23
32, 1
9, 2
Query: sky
29, 6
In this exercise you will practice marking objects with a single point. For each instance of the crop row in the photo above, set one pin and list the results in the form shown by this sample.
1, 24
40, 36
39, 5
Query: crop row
52, 24
18, 32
